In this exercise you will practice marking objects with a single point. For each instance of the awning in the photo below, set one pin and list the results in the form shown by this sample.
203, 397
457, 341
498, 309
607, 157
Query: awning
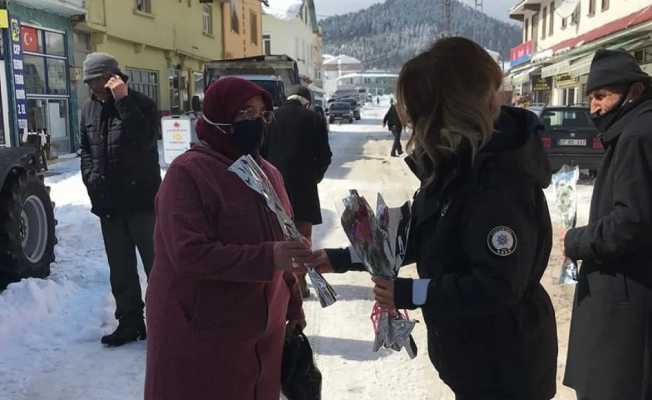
522, 77
581, 65
567, 7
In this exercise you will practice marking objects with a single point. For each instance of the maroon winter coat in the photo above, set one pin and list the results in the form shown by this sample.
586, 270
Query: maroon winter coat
216, 307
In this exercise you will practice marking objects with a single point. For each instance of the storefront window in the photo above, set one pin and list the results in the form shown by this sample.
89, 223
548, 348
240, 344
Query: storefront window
56, 76
34, 70
54, 44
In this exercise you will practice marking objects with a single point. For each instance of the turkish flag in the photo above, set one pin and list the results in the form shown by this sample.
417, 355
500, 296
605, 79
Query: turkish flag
29, 38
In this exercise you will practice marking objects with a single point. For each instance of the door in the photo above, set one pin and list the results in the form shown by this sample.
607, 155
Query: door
51, 116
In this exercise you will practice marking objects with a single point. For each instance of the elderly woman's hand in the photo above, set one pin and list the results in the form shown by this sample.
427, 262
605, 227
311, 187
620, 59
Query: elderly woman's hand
291, 252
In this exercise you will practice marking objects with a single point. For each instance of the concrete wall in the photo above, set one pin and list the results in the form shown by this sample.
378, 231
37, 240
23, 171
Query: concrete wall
296, 39
171, 36
239, 44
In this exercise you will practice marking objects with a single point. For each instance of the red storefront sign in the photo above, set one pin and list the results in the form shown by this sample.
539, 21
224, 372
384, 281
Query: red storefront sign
29, 38
522, 50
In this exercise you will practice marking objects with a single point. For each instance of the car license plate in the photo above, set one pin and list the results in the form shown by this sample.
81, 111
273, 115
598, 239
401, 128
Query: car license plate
572, 142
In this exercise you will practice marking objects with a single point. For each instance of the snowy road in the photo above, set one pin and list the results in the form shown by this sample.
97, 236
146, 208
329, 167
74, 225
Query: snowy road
50, 329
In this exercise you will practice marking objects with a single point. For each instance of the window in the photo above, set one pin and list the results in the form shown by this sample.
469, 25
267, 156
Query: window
253, 19
34, 69
535, 28
267, 44
527, 30
605, 5
235, 22
551, 29
56, 77
145, 82
564, 23
591, 7
207, 18
144, 6
544, 22
54, 44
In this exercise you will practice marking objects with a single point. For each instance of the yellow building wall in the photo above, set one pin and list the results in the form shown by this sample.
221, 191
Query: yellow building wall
239, 44
171, 36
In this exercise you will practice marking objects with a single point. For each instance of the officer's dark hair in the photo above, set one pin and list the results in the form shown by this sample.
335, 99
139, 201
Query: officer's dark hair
447, 95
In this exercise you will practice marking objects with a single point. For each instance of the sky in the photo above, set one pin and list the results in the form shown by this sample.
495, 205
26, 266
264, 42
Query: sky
496, 8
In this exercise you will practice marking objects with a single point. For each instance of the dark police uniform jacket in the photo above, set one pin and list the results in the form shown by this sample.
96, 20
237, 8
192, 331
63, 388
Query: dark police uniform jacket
483, 236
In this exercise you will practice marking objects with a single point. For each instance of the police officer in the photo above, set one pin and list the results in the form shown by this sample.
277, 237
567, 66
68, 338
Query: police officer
480, 233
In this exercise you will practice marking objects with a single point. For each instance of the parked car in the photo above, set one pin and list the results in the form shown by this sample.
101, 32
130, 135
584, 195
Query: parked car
355, 106
340, 111
569, 137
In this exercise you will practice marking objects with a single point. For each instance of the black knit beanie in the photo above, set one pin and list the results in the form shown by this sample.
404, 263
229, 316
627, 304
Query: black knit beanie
614, 68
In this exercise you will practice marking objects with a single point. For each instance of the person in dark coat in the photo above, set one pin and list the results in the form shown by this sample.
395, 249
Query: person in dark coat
220, 294
610, 345
393, 122
297, 144
480, 233
119, 165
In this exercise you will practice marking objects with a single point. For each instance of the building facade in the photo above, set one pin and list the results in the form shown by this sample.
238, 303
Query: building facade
560, 38
162, 45
37, 82
334, 67
242, 28
291, 28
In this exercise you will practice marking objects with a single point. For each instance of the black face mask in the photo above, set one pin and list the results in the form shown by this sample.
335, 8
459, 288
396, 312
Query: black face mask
248, 135
604, 121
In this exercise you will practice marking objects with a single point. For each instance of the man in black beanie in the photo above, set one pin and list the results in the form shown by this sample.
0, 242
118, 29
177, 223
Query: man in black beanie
610, 345
297, 144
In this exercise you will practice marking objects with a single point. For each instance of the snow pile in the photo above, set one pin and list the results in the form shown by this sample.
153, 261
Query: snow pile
283, 9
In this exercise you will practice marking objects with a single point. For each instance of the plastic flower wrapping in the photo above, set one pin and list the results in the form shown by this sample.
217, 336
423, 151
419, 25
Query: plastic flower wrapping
247, 169
380, 241
565, 189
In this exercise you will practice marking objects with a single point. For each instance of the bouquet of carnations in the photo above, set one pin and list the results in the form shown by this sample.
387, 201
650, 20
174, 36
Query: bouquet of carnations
565, 189
253, 176
380, 242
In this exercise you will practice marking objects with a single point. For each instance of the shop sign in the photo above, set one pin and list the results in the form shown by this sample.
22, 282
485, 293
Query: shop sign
18, 74
522, 53
541, 85
565, 80
29, 37
177, 132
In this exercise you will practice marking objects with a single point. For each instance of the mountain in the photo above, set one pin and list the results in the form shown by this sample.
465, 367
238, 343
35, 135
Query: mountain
386, 35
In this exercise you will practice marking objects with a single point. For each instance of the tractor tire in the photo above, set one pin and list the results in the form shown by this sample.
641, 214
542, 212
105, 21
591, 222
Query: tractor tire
27, 227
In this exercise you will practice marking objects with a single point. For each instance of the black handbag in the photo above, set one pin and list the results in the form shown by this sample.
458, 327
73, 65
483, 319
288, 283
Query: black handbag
300, 377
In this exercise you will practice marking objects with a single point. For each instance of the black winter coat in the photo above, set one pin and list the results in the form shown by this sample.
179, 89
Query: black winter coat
119, 154
610, 346
483, 236
392, 120
297, 144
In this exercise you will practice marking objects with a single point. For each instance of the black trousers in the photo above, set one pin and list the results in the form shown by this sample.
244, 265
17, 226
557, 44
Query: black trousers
123, 234
396, 147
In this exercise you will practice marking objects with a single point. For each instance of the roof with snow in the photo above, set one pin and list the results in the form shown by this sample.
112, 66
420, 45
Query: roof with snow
343, 60
283, 9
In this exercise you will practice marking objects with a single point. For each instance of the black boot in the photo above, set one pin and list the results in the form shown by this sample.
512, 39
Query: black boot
127, 331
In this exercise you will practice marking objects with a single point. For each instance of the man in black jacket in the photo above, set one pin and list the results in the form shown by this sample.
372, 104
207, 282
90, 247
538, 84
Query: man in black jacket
119, 165
393, 122
297, 144
610, 345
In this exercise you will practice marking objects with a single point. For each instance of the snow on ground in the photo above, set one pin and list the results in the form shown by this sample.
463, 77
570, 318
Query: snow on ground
50, 328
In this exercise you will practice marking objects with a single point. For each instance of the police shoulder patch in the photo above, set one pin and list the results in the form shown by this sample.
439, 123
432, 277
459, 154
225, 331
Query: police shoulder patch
502, 241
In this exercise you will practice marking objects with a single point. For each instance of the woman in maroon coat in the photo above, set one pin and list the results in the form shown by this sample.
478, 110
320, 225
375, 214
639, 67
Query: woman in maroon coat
220, 293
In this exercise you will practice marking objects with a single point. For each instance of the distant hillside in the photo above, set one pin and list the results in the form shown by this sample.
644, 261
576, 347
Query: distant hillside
388, 34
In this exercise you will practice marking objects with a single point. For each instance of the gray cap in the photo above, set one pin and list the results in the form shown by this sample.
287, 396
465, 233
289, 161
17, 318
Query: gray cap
98, 64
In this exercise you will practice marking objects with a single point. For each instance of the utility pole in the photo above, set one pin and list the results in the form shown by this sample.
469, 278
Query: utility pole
447, 6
